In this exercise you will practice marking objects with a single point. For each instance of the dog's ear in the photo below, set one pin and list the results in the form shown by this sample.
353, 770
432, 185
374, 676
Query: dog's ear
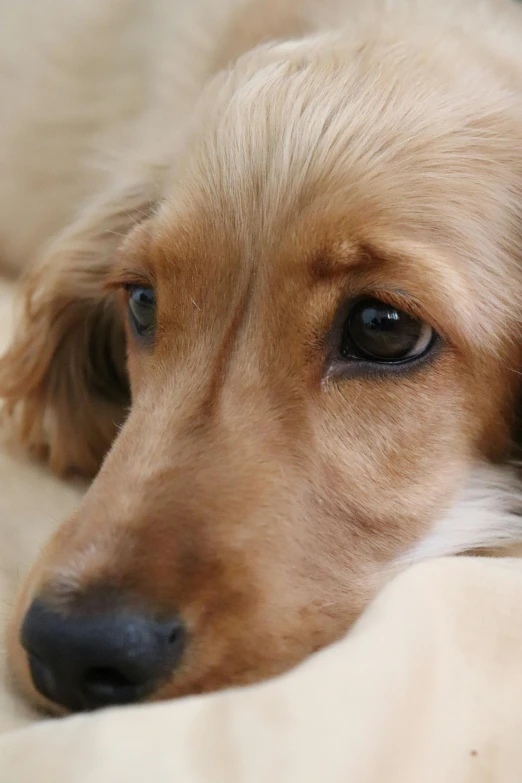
64, 378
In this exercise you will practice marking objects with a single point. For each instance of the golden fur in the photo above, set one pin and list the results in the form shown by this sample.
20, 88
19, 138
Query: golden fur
376, 151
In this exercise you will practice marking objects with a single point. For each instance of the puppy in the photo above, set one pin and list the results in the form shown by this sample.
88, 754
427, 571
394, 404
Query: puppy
273, 304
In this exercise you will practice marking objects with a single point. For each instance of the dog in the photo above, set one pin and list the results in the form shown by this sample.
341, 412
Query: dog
271, 297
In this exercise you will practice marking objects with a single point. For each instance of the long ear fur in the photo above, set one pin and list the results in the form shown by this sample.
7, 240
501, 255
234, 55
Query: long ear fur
64, 379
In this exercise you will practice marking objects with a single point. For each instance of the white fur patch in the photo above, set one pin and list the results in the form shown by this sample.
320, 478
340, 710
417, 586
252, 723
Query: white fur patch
488, 514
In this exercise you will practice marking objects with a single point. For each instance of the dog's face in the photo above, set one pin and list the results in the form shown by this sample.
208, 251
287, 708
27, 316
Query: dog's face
322, 331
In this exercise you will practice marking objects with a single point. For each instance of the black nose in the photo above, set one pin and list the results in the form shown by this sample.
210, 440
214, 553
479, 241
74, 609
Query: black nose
84, 660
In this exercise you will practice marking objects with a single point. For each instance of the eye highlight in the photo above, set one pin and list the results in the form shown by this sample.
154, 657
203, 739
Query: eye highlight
142, 310
378, 333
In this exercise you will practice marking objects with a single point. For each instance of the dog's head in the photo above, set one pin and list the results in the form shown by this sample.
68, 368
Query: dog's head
322, 327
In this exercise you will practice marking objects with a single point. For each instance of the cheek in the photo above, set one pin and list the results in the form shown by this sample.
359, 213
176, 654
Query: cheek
396, 451
137, 362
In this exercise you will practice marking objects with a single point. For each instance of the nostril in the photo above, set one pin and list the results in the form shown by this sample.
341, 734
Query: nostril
108, 686
105, 678
176, 634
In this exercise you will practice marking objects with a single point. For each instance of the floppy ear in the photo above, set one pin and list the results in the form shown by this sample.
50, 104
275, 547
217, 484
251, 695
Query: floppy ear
64, 379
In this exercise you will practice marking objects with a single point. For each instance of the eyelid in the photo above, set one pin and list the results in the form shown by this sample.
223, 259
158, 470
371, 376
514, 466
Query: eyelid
126, 278
141, 286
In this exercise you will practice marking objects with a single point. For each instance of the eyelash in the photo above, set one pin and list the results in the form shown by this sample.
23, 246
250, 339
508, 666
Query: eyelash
340, 370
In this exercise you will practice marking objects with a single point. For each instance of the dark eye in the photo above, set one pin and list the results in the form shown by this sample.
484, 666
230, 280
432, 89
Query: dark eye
378, 332
142, 310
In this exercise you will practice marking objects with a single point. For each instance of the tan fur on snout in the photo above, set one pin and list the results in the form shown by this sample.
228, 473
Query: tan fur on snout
253, 485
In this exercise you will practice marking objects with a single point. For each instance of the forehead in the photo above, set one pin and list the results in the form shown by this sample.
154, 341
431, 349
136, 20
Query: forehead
319, 157
382, 128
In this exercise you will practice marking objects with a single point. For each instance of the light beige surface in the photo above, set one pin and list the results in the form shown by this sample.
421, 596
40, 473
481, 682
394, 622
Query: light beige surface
31, 505
427, 687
